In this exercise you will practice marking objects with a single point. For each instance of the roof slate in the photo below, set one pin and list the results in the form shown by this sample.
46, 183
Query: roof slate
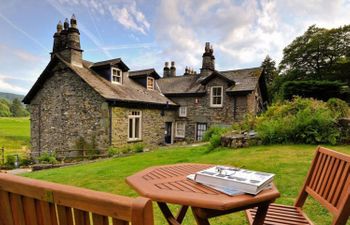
145, 72
130, 91
243, 80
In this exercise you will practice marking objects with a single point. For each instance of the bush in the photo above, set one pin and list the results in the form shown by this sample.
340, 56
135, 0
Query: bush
338, 106
213, 135
10, 161
322, 90
47, 158
301, 120
138, 147
215, 141
213, 130
112, 151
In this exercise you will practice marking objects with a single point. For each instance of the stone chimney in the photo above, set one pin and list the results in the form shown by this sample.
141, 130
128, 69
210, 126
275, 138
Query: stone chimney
208, 63
166, 70
67, 42
172, 69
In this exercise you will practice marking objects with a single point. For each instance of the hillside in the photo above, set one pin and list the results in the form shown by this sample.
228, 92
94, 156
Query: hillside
10, 96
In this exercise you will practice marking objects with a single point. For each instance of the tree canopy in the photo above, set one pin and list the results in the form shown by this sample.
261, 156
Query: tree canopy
317, 54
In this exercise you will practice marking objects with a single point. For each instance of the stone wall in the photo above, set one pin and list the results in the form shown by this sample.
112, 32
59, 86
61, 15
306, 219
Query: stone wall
152, 126
65, 109
234, 109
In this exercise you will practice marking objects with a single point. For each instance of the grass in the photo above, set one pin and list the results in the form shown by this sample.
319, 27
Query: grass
15, 135
290, 163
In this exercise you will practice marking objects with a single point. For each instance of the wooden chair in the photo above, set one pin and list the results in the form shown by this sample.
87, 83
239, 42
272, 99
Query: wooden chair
327, 182
25, 201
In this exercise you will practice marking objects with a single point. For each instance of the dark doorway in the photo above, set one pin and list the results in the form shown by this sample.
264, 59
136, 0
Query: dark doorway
201, 129
168, 133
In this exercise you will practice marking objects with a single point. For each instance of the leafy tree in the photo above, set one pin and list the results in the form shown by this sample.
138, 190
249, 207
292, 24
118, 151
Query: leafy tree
317, 53
270, 70
4, 108
17, 109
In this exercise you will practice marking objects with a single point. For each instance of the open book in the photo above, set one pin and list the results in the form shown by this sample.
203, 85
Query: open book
234, 179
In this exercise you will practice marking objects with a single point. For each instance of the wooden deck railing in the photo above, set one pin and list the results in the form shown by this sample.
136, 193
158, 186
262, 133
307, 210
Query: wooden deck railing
25, 201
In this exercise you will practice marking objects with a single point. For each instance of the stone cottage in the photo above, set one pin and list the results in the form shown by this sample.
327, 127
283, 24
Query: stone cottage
106, 104
211, 97
102, 102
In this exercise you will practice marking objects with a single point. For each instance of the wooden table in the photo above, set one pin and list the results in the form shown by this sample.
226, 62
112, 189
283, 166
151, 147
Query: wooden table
168, 184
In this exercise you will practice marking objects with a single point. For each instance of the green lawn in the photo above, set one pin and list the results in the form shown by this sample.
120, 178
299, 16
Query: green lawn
15, 134
289, 162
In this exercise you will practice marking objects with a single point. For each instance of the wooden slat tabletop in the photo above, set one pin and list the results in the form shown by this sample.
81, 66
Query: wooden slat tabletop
169, 184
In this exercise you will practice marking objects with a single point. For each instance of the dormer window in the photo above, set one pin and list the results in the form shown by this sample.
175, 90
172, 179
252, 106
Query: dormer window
150, 83
117, 76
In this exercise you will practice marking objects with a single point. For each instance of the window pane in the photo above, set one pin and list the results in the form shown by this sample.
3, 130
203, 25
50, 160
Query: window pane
131, 128
137, 127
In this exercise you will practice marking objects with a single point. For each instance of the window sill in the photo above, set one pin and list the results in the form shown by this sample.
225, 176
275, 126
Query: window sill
216, 106
134, 141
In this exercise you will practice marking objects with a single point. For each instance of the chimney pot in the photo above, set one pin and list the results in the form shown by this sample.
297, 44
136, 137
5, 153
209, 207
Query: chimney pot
66, 24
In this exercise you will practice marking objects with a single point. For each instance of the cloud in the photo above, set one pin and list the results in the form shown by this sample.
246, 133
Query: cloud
130, 17
241, 32
125, 13
6, 86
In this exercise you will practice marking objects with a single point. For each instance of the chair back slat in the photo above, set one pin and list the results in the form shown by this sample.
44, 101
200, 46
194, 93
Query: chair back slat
81, 217
29, 211
328, 181
26, 201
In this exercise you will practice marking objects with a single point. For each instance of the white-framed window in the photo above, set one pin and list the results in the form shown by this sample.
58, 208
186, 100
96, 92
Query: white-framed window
150, 83
183, 111
134, 127
180, 129
116, 76
216, 96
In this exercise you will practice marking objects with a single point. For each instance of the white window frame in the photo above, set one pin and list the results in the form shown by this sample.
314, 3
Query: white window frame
212, 96
150, 87
120, 76
183, 111
177, 125
133, 115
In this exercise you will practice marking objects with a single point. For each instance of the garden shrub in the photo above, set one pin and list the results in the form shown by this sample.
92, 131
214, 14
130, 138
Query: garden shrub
301, 120
213, 135
10, 161
338, 106
47, 158
112, 151
212, 131
138, 147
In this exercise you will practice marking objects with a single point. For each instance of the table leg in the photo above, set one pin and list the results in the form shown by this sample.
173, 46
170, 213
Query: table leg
261, 213
169, 216
199, 220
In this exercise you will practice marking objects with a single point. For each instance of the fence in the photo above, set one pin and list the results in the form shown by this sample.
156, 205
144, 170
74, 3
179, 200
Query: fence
72, 154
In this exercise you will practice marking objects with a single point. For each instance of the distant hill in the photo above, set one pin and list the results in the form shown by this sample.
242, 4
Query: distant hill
10, 96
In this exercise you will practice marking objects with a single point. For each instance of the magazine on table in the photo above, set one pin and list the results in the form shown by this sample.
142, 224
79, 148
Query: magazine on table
234, 179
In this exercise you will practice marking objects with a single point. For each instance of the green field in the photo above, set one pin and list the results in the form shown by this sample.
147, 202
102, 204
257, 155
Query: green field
289, 162
15, 135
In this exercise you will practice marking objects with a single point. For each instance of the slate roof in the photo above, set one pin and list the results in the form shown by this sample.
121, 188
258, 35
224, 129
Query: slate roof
110, 62
143, 73
245, 79
181, 85
242, 80
130, 91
